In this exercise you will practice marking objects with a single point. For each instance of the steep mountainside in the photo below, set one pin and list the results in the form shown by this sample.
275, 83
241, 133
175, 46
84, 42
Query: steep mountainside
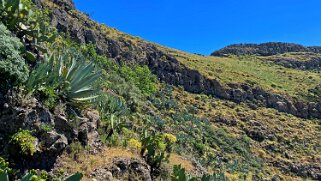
114, 106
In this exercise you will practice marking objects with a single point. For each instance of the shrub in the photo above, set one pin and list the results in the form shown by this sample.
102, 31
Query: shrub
24, 141
132, 95
155, 150
135, 144
28, 23
141, 77
13, 69
15, 14
4, 166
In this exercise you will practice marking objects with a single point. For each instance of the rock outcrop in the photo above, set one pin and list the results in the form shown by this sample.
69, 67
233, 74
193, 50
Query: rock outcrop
124, 169
52, 132
264, 49
309, 64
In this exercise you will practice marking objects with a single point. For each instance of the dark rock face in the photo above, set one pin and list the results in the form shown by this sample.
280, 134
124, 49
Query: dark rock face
124, 169
19, 112
264, 49
311, 64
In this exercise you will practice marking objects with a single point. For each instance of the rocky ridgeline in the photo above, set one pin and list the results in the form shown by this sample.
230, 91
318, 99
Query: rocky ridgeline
310, 64
264, 49
169, 69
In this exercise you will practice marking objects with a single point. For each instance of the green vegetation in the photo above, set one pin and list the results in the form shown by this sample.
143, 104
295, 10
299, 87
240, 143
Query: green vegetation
13, 70
15, 14
42, 176
66, 76
156, 149
155, 121
24, 142
179, 174
4, 167
141, 77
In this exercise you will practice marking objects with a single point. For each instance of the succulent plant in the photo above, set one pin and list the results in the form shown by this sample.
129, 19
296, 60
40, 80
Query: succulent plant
69, 75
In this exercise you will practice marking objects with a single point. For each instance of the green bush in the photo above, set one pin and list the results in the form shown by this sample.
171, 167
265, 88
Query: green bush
141, 77
24, 141
156, 149
15, 14
13, 69
132, 95
4, 166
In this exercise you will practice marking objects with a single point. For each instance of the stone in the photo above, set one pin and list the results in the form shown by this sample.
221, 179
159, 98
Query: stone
102, 174
53, 141
63, 126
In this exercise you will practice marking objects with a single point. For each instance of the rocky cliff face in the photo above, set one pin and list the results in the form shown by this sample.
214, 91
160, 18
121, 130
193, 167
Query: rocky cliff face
52, 131
264, 49
83, 30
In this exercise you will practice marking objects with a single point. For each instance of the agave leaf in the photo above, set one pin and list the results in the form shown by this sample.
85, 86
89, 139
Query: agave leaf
86, 81
86, 98
26, 177
75, 177
4, 176
81, 72
85, 93
72, 69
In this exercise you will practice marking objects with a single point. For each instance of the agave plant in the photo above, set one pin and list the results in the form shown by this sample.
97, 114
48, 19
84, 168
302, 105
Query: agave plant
69, 75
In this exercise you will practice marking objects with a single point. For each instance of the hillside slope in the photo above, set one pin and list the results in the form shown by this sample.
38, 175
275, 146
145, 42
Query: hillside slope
237, 116
179, 68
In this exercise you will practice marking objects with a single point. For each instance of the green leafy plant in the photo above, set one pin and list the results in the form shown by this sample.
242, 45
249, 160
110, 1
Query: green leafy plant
29, 24
13, 69
156, 149
24, 141
34, 177
111, 108
15, 13
72, 79
140, 76
4, 169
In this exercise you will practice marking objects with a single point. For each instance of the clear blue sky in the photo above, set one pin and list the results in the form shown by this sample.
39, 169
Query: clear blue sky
202, 26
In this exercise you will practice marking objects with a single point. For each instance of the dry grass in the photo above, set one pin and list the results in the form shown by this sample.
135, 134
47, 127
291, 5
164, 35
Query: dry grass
304, 135
179, 160
87, 163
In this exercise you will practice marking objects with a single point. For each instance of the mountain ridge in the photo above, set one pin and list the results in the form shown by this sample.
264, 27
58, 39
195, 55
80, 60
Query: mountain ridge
264, 49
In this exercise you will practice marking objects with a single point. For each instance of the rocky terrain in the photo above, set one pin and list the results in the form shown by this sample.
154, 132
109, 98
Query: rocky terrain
264, 49
248, 112
167, 68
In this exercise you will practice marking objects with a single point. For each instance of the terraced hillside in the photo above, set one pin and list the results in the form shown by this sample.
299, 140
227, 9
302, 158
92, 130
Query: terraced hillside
112, 106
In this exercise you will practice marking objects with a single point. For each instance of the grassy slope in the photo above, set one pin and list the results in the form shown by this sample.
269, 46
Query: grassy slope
251, 69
